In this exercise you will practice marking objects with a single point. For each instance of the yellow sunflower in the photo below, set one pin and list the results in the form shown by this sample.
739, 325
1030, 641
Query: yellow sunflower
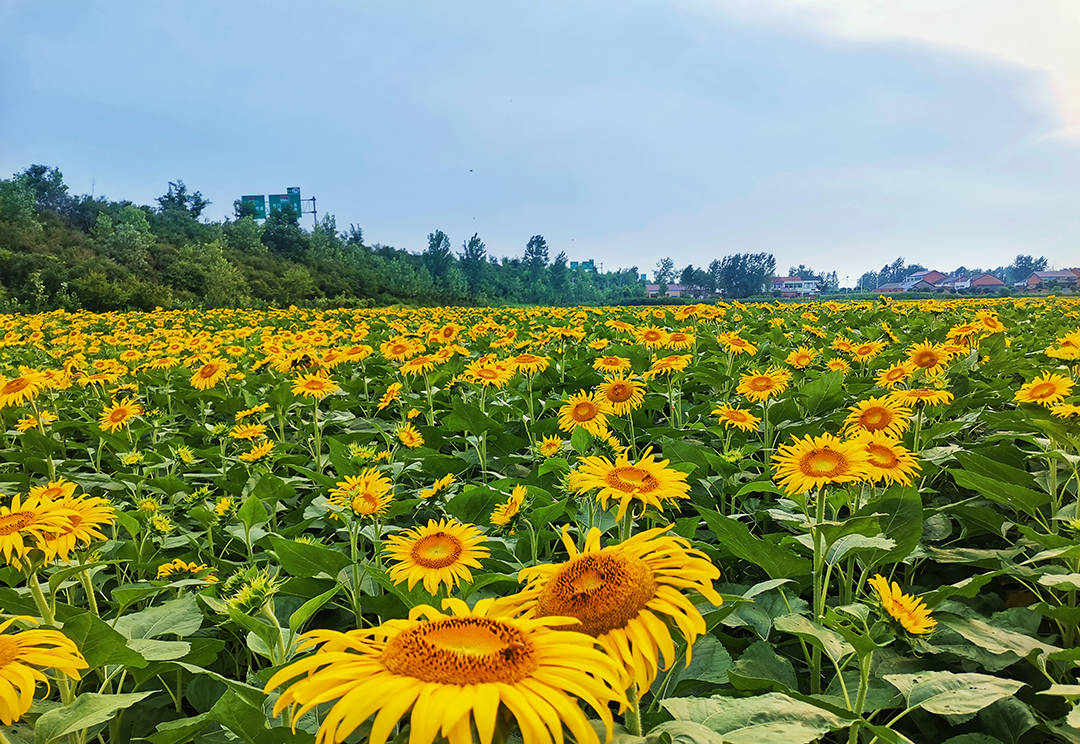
612, 364
1065, 410
866, 351
248, 431
625, 596
801, 358
651, 482
529, 364
54, 490
838, 365
210, 374
931, 358
391, 394
1048, 390
892, 376
550, 446
409, 436
24, 525
418, 365
119, 415
887, 459
667, 365
23, 655
179, 568
316, 386
812, 462
438, 486
258, 452
455, 671
623, 394
912, 613
86, 515
22, 388
365, 495
878, 414
736, 418
733, 343
926, 396
438, 553
760, 386
503, 513
587, 410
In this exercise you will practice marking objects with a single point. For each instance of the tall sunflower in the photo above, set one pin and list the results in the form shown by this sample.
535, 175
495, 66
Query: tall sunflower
887, 459
648, 481
623, 394
367, 494
24, 525
587, 410
438, 553
455, 671
119, 415
316, 386
736, 418
210, 374
878, 414
23, 655
1047, 389
24, 387
623, 594
760, 386
931, 358
812, 462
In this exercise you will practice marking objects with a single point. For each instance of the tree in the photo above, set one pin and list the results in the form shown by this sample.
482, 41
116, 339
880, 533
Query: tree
868, 281
536, 254
283, 236
803, 272
1022, 267
474, 265
560, 278
437, 257
664, 272
745, 274
178, 198
48, 186
830, 282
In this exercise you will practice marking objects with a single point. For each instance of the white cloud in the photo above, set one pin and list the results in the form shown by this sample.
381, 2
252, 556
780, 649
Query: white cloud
1040, 35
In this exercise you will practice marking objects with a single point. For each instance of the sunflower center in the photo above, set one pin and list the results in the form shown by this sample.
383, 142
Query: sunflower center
651, 336
631, 479
14, 522
604, 591
1043, 390
14, 386
487, 374
208, 371
437, 550
619, 391
882, 457
461, 651
365, 503
760, 383
873, 419
584, 411
118, 415
926, 359
823, 463
736, 416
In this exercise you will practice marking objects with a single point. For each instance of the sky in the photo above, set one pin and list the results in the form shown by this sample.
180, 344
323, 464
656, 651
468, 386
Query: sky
838, 134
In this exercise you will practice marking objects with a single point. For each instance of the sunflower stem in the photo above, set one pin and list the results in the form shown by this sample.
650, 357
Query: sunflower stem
318, 439
819, 586
633, 715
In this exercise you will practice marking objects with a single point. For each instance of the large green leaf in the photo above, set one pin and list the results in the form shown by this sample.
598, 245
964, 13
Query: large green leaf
950, 694
734, 537
308, 560
88, 709
99, 643
180, 617
754, 720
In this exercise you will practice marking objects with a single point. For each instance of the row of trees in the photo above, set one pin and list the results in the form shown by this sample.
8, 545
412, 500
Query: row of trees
738, 275
1021, 268
61, 250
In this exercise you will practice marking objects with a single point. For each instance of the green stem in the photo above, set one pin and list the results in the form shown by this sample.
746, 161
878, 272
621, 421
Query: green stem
633, 715
819, 586
860, 697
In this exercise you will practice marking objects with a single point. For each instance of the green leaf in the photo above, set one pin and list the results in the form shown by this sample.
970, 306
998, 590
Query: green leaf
308, 560
309, 608
580, 440
858, 544
1007, 494
252, 512
88, 709
152, 649
99, 643
995, 640
710, 662
832, 643
900, 518
772, 717
735, 538
684, 732
760, 668
949, 694
180, 617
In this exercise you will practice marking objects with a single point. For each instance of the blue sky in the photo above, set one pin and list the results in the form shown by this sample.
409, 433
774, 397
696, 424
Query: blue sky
621, 131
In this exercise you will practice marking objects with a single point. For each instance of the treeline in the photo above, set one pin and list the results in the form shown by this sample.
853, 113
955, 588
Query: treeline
1021, 268
738, 275
58, 250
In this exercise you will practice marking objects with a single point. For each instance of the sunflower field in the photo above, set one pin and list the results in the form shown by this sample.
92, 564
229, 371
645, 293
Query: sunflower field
818, 522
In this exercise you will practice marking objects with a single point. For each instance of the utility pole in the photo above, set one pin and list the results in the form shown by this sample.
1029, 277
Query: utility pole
314, 212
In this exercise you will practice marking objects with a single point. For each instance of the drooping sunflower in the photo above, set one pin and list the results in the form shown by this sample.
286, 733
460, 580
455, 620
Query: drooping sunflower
365, 495
612, 364
838, 365
23, 655
736, 418
248, 431
878, 414
733, 343
760, 386
316, 386
931, 358
668, 365
258, 452
210, 374
437, 553
623, 594
1065, 410
455, 671
391, 394
623, 394
409, 436
926, 396
24, 525
1047, 389
892, 376
587, 410
179, 569
912, 613
438, 486
887, 459
119, 415
86, 515
504, 512
418, 365
812, 462
649, 481
54, 490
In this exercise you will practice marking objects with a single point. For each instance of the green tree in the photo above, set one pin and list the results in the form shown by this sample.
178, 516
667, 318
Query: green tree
664, 272
438, 257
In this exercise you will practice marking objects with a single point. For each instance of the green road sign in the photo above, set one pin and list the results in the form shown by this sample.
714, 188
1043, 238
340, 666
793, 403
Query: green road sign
259, 202
292, 198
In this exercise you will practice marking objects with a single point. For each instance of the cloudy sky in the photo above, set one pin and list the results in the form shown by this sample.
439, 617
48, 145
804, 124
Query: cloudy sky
835, 133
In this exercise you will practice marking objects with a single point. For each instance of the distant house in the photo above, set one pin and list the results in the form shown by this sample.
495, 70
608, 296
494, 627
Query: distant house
909, 284
794, 286
1063, 278
930, 276
673, 290
984, 282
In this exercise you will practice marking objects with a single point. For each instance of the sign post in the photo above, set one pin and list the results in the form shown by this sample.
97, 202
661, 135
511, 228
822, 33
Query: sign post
258, 202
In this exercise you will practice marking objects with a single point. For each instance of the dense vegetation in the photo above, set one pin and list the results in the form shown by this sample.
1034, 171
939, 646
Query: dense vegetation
63, 251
